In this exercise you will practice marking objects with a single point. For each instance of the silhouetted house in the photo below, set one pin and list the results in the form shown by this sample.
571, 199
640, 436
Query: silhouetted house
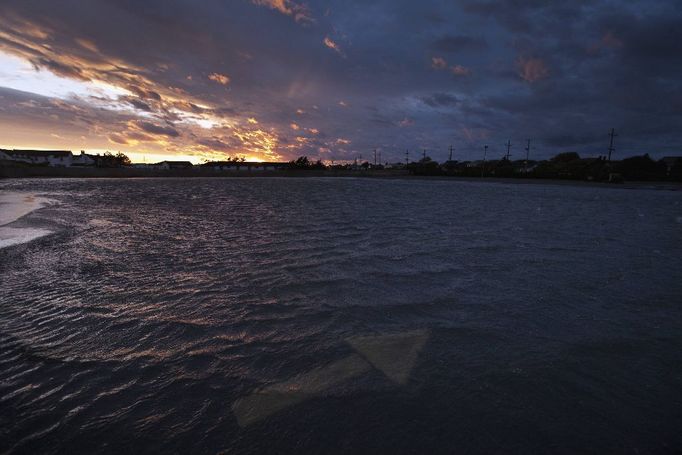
54, 158
670, 162
167, 165
449, 166
245, 166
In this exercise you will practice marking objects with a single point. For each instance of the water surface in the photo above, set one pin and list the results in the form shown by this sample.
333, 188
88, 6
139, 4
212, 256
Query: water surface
341, 315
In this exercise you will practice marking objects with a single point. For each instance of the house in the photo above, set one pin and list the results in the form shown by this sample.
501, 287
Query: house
245, 166
670, 162
53, 158
83, 160
167, 165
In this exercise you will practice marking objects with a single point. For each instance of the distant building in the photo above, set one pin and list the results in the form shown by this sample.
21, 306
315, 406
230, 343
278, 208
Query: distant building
244, 166
83, 160
167, 165
54, 158
670, 162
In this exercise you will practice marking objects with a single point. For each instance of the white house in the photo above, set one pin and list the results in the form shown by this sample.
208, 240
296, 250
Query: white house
83, 160
54, 158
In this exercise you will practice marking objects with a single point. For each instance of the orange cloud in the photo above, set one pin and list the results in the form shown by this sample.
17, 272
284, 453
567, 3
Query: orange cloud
532, 69
87, 44
219, 78
299, 12
332, 45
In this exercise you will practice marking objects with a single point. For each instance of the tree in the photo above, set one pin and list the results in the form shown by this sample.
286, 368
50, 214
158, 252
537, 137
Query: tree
641, 168
302, 162
566, 157
122, 159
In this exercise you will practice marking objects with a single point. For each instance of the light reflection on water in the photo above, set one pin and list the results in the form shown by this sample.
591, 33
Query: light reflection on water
321, 315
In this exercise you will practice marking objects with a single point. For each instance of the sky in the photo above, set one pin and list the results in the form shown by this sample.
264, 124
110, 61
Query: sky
335, 80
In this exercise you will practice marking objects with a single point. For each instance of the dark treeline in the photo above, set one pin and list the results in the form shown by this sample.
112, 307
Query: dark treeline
568, 166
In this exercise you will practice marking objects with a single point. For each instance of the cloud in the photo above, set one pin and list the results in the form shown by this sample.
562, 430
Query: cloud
532, 69
459, 43
332, 45
90, 82
219, 78
438, 63
299, 12
159, 130
459, 70
440, 100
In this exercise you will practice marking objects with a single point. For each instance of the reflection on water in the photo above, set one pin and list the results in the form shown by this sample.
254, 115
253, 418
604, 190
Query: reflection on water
341, 315
395, 355
274, 398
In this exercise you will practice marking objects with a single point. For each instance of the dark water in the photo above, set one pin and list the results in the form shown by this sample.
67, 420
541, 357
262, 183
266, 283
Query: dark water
357, 316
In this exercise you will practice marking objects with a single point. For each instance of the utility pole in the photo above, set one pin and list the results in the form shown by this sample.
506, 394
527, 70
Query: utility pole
375, 157
450, 153
424, 155
407, 157
485, 154
525, 164
379, 157
508, 150
612, 134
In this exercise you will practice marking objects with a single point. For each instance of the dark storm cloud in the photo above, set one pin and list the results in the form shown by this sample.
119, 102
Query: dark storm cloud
440, 100
459, 43
158, 129
338, 78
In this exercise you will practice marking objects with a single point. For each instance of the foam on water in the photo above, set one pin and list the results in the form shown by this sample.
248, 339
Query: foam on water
16, 236
14, 206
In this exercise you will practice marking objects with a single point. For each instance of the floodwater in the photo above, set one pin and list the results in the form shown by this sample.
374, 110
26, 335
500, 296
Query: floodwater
339, 316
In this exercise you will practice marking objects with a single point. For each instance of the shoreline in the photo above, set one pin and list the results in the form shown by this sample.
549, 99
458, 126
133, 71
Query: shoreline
13, 207
114, 173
